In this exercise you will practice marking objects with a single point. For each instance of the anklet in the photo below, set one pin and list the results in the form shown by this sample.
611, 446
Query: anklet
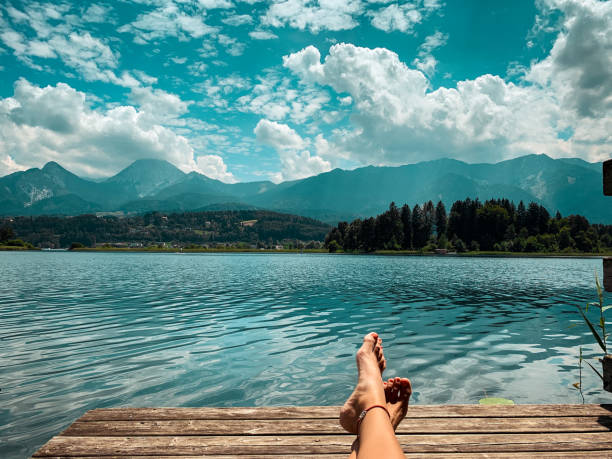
364, 412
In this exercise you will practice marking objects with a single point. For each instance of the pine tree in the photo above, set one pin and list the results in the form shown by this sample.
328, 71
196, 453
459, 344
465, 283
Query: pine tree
406, 216
441, 220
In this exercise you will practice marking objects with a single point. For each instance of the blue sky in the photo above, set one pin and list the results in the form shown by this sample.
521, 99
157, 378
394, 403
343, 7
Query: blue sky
254, 90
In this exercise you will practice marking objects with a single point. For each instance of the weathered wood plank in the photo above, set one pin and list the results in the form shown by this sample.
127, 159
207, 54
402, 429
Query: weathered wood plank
331, 412
565, 454
329, 444
436, 426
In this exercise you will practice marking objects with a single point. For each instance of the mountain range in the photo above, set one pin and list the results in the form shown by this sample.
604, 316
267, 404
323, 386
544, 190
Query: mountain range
571, 186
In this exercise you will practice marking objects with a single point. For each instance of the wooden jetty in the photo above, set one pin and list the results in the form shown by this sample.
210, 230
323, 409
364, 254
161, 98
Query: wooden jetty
456, 431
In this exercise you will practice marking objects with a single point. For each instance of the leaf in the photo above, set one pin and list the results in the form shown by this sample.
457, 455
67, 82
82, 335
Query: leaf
495, 401
602, 324
594, 369
595, 334
599, 292
576, 385
572, 326
605, 308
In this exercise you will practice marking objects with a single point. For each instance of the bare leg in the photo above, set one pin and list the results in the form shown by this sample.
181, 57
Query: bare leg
371, 363
376, 436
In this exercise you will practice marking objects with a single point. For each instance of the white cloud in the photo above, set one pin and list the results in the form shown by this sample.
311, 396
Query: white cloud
97, 13
278, 135
55, 123
158, 104
262, 35
237, 20
213, 166
8, 165
232, 46
165, 21
287, 142
398, 119
579, 67
215, 4
314, 15
425, 61
396, 17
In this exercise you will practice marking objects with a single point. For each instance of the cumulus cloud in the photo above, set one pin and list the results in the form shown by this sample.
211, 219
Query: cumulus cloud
425, 61
275, 98
295, 164
579, 66
314, 15
168, 20
213, 166
396, 17
277, 135
398, 118
39, 124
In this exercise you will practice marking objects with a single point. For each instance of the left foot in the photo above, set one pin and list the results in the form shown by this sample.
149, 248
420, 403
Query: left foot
369, 390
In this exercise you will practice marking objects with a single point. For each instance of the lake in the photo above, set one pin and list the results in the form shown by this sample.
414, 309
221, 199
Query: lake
90, 330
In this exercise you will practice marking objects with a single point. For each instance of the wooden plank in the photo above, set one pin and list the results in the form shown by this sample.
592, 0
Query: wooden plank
516, 455
331, 427
331, 412
329, 444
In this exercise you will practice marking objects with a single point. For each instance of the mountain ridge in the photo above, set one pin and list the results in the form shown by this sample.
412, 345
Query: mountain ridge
570, 185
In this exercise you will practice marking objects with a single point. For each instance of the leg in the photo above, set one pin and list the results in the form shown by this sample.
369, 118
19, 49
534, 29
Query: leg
376, 435
397, 394
370, 365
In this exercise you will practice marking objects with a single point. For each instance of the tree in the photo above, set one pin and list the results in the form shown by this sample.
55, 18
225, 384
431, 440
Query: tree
493, 221
419, 228
396, 227
6, 233
441, 220
367, 236
521, 216
406, 216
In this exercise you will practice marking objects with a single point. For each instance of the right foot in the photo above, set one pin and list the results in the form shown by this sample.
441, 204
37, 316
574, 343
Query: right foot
369, 390
397, 394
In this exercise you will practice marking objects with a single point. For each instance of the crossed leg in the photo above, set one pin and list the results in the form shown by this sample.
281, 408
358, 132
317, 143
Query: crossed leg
376, 432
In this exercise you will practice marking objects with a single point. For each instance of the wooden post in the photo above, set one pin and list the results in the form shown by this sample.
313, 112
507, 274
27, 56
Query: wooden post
607, 274
607, 189
607, 177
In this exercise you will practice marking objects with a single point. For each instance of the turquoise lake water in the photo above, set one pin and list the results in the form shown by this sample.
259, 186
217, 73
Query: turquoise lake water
90, 330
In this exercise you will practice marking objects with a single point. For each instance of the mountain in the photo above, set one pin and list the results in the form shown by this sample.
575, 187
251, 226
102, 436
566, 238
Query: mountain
146, 177
569, 185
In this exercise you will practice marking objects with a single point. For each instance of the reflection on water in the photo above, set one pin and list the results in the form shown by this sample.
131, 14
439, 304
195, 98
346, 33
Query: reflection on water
83, 330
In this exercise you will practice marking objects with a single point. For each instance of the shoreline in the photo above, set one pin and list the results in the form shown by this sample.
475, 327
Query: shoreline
392, 253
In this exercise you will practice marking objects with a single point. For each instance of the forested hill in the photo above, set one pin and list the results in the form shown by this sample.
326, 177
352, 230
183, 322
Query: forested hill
495, 225
571, 186
190, 228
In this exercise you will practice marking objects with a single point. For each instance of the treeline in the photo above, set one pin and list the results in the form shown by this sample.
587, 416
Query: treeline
248, 226
495, 225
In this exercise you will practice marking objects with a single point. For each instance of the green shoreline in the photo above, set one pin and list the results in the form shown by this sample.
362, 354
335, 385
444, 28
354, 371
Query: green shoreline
323, 251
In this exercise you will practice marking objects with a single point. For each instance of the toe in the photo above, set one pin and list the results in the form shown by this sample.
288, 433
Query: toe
371, 338
396, 390
382, 364
406, 389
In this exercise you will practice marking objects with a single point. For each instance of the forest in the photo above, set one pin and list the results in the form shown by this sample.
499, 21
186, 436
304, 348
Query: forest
495, 225
181, 229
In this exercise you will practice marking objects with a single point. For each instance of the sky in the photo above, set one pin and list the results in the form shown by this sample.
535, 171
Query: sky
245, 90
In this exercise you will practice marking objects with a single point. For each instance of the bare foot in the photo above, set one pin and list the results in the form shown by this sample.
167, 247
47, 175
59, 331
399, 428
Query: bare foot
397, 394
369, 390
